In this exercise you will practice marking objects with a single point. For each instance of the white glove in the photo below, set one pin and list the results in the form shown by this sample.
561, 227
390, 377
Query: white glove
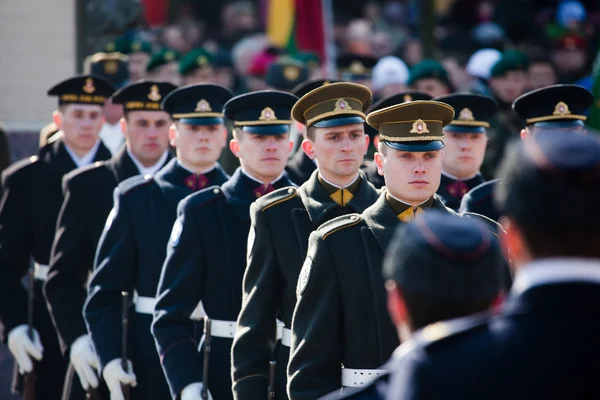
114, 375
192, 392
84, 361
22, 347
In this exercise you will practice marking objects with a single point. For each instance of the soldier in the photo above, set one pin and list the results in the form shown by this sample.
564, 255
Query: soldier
369, 167
196, 67
554, 108
28, 221
88, 201
356, 68
164, 66
341, 331
207, 249
138, 51
431, 77
282, 223
420, 262
133, 245
466, 139
286, 74
550, 200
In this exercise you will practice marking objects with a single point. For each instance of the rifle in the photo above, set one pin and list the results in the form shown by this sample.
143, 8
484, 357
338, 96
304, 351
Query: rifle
207, 343
124, 333
30, 378
272, 365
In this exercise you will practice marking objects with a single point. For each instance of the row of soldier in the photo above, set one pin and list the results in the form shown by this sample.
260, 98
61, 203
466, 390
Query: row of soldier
287, 275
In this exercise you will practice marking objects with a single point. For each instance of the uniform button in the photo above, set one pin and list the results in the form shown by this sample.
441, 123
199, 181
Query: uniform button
147, 176
353, 217
215, 190
290, 190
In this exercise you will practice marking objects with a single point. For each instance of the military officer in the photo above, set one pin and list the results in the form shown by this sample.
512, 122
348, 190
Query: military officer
356, 68
550, 200
133, 245
196, 67
28, 221
164, 65
341, 331
466, 139
88, 201
211, 222
369, 167
282, 222
286, 74
554, 108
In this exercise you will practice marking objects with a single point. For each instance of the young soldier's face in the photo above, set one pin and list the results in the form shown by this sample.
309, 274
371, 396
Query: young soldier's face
137, 65
464, 153
412, 177
262, 156
339, 150
147, 135
199, 146
80, 124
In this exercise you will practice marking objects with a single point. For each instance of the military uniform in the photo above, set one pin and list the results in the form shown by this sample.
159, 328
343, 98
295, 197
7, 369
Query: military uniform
341, 330
206, 257
27, 226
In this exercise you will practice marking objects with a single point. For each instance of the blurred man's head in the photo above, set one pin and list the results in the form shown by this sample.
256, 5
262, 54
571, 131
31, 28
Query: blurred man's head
441, 267
509, 77
541, 73
431, 77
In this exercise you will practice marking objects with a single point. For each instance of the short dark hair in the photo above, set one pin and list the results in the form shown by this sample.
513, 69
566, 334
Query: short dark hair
557, 217
436, 288
311, 132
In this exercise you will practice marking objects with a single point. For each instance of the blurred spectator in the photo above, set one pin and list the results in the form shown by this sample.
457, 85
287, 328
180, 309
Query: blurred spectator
196, 67
246, 50
571, 58
431, 77
173, 37
412, 52
541, 72
164, 66
355, 68
390, 75
285, 74
255, 76
359, 34
454, 64
224, 72
238, 19
479, 68
138, 51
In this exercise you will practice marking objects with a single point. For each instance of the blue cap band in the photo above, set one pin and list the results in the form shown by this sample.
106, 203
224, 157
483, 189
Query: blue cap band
559, 124
464, 129
339, 121
267, 129
202, 121
416, 146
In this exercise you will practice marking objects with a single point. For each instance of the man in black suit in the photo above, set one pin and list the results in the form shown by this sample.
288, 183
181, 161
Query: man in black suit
88, 200
28, 211
543, 343
133, 245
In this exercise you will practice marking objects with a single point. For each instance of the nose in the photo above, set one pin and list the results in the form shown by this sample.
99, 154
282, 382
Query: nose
271, 143
419, 167
346, 144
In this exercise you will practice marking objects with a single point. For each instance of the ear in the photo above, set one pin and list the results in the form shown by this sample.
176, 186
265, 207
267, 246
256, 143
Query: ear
367, 140
524, 133
379, 162
307, 147
57, 118
512, 242
290, 147
376, 141
396, 305
234, 146
173, 135
123, 125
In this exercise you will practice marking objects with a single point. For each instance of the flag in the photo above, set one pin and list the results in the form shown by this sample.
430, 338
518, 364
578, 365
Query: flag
593, 119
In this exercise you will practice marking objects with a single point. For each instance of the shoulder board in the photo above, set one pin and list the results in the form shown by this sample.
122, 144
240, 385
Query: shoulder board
339, 223
494, 226
482, 191
276, 197
19, 166
83, 171
445, 330
202, 197
134, 182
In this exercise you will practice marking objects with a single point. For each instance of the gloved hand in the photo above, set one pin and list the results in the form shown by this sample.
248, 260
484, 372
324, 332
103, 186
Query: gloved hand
23, 348
114, 375
192, 392
84, 361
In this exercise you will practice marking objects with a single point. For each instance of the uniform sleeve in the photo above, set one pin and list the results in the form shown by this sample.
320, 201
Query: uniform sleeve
315, 362
114, 273
256, 327
71, 260
16, 241
179, 291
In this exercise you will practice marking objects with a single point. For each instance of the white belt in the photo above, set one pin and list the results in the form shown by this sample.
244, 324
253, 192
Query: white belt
146, 305
360, 377
40, 271
284, 334
222, 329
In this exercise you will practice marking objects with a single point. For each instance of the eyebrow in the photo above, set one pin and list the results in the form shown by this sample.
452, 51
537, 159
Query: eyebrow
333, 133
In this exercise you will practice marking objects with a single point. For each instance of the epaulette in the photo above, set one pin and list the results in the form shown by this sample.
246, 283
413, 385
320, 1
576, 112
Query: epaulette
276, 197
134, 182
493, 226
202, 197
79, 172
18, 167
337, 224
445, 330
481, 191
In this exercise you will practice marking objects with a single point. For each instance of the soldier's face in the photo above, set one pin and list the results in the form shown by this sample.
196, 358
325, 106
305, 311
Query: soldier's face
199, 146
263, 156
168, 73
147, 135
80, 124
200, 75
464, 153
509, 86
137, 65
412, 177
431, 86
339, 151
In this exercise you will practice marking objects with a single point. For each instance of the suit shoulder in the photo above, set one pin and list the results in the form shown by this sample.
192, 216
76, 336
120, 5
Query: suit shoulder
481, 191
338, 224
202, 198
84, 174
276, 197
130, 185
444, 332
20, 169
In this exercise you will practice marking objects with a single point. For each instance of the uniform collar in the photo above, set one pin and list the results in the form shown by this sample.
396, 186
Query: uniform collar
87, 158
248, 175
151, 170
332, 187
448, 175
191, 171
399, 206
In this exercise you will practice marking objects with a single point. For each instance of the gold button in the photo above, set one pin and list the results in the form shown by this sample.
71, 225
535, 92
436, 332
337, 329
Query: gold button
216, 190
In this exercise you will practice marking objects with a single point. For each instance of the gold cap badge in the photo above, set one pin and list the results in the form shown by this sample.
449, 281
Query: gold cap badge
154, 94
561, 109
357, 67
169, 55
202, 60
267, 114
407, 98
291, 73
419, 127
466, 115
111, 67
203, 106
342, 105
136, 46
89, 87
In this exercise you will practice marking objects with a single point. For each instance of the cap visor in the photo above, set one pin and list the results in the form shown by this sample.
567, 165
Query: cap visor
202, 121
559, 124
416, 146
339, 121
464, 129
267, 129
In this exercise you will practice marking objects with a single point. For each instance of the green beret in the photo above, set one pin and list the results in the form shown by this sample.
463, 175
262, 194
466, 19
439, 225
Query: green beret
161, 58
194, 59
428, 69
511, 60
128, 45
